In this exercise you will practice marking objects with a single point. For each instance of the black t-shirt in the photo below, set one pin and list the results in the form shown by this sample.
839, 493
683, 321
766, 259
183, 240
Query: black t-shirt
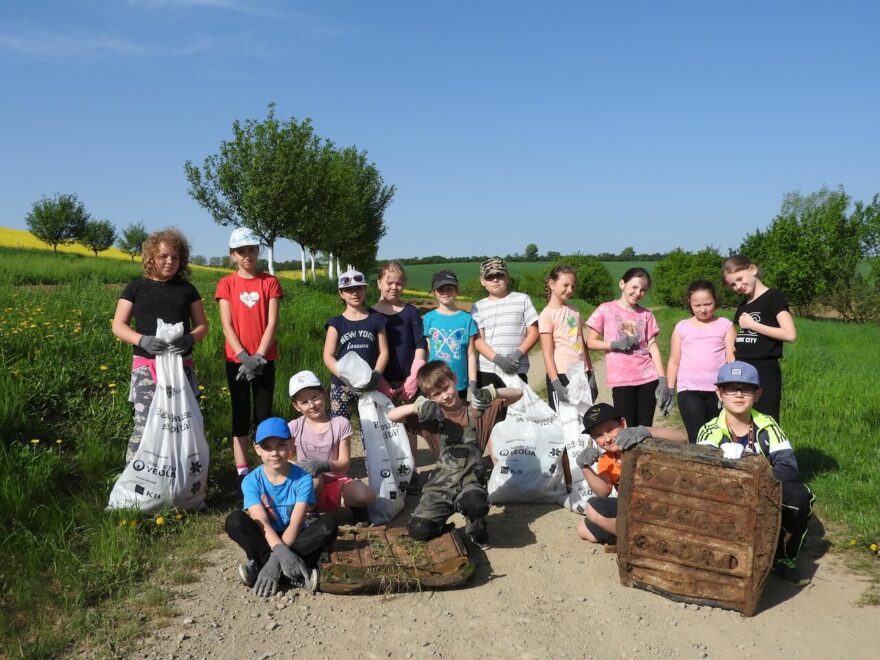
361, 337
405, 334
749, 344
170, 301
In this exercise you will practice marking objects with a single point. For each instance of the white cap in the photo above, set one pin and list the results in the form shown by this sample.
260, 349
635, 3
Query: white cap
242, 236
302, 380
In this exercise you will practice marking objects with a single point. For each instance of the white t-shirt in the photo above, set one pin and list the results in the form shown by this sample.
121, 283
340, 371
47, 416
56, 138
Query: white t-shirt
504, 322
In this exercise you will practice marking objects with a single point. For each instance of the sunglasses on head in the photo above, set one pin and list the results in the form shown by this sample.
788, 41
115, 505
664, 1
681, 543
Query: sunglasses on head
346, 280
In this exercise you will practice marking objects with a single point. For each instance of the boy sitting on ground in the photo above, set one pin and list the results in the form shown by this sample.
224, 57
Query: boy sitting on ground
607, 426
740, 431
458, 434
272, 530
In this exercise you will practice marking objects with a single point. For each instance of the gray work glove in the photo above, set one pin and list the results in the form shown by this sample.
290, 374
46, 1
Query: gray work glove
665, 396
313, 467
482, 398
472, 387
292, 565
248, 361
427, 410
588, 456
594, 387
624, 345
515, 356
182, 344
630, 437
371, 385
559, 389
267, 581
152, 344
244, 374
504, 363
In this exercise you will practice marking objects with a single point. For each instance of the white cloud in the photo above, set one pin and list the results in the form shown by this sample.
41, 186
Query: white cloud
53, 45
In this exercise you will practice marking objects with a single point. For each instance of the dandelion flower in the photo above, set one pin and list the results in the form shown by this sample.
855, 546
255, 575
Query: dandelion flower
58, 441
852, 542
201, 388
160, 520
35, 441
178, 516
103, 367
873, 547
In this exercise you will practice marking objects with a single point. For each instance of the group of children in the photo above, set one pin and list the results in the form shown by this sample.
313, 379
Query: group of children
443, 372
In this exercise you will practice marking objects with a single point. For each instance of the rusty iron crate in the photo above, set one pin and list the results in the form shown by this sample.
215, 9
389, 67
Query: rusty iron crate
696, 527
381, 559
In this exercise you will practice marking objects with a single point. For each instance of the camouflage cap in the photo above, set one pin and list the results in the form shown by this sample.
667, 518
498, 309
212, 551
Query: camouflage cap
493, 266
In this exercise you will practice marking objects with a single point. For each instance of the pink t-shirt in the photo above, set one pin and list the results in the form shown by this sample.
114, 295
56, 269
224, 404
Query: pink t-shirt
320, 446
614, 322
564, 323
702, 353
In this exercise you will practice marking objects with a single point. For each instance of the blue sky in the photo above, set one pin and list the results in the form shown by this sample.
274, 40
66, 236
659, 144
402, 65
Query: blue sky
587, 126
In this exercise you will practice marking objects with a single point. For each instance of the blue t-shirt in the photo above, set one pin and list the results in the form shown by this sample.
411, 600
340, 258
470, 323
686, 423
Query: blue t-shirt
405, 335
278, 501
448, 336
361, 337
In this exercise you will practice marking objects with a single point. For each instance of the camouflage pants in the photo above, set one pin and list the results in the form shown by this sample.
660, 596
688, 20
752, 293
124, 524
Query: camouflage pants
140, 396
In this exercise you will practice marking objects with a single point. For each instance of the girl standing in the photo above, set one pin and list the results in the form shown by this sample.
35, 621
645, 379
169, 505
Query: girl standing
163, 292
700, 345
248, 301
765, 322
628, 333
356, 330
562, 336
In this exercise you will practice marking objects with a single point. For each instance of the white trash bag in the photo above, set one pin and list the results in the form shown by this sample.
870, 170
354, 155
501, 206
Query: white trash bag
170, 468
390, 463
527, 451
571, 415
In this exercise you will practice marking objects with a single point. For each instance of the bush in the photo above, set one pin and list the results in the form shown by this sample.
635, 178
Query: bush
674, 274
594, 283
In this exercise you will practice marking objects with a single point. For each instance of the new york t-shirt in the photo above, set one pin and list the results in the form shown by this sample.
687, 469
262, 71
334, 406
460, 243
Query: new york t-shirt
361, 337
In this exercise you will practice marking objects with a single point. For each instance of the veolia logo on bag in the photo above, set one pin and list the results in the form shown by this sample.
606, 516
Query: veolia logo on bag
385, 473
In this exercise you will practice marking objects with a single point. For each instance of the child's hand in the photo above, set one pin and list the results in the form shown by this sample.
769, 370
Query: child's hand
291, 565
427, 410
182, 344
588, 456
482, 398
630, 437
267, 581
624, 345
665, 396
314, 468
153, 345
746, 322
559, 389
504, 363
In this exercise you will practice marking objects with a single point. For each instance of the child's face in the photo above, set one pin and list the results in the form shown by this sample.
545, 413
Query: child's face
634, 290
246, 257
743, 281
605, 434
274, 452
310, 403
495, 284
738, 398
391, 285
702, 305
167, 261
446, 395
446, 294
353, 296
563, 287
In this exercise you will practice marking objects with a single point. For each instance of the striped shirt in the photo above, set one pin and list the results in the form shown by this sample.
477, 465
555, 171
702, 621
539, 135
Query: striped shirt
503, 323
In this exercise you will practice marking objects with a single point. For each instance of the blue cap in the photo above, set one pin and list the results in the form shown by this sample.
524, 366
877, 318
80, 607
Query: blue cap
738, 372
274, 427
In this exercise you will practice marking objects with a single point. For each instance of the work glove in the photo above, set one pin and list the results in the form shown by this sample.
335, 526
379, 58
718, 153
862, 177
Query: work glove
504, 363
665, 396
314, 467
411, 385
472, 388
267, 581
248, 361
594, 387
371, 385
427, 410
244, 374
624, 345
482, 398
630, 437
559, 389
292, 565
515, 356
182, 344
152, 344
588, 456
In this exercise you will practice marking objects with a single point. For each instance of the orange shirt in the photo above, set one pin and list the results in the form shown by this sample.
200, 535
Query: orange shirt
609, 468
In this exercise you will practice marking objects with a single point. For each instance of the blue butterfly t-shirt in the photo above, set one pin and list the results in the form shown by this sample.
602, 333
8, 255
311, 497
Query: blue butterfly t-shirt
448, 336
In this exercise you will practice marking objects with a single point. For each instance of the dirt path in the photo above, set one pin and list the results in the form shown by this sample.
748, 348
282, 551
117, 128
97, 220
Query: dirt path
538, 592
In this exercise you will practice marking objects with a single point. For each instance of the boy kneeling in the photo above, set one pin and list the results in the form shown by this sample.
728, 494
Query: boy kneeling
739, 431
458, 434
271, 532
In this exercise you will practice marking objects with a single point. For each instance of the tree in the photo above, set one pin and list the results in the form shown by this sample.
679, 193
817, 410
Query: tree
679, 269
627, 254
98, 235
218, 262
198, 260
57, 221
531, 253
594, 282
132, 240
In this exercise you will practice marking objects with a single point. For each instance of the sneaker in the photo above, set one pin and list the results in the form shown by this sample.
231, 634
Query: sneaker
476, 532
247, 572
787, 569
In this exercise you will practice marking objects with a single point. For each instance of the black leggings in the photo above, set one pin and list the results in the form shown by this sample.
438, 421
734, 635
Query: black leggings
636, 403
240, 392
551, 393
770, 375
696, 408
308, 545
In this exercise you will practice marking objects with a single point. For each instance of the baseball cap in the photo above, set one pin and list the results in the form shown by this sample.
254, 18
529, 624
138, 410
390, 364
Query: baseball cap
302, 380
601, 412
242, 236
493, 266
738, 372
442, 278
273, 427
351, 278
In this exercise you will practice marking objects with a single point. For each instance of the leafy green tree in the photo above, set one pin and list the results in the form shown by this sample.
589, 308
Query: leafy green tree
57, 221
594, 282
98, 235
132, 239
627, 254
531, 253
198, 260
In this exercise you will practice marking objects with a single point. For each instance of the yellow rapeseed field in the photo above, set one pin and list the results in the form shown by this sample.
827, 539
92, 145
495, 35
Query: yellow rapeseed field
20, 238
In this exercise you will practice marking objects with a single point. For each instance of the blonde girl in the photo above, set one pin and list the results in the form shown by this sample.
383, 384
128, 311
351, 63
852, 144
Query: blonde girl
699, 347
